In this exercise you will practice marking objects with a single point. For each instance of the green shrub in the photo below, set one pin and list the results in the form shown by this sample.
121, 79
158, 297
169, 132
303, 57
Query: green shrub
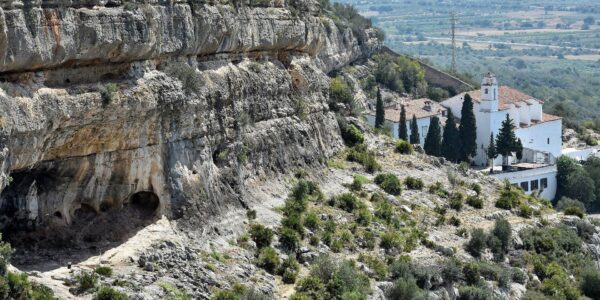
251, 214
361, 155
504, 279
268, 259
190, 79
289, 269
379, 267
351, 134
347, 280
357, 183
41, 292
590, 283
312, 221
405, 288
312, 287
519, 276
565, 203
364, 217
510, 197
108, 293
574, 211
413, 183
500, 240
385, 211
438, 189
104, 271
85, 280
475, 202
389, 183
477, 243
454, 221
404, 147
294, 222
474, 293
471, 273
456, 201
289, 239
525, 211
391, 240
261, 235
108, 92
347, 202
452, 271
476, 188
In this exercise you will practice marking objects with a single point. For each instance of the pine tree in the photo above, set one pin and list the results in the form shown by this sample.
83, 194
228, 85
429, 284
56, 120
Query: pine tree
491, 152
402, 130
506, 141
414, 131
433, 140
379, 111
450, 140
467, 130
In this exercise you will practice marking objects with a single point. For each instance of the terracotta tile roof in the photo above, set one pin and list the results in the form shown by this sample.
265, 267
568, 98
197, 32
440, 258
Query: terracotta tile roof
413, 107
507, 96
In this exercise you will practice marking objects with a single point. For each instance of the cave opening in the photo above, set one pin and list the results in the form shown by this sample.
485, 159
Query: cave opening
145, 202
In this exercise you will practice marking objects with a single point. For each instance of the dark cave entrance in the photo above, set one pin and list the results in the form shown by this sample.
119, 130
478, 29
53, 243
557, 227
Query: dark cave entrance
146, 203
68, 234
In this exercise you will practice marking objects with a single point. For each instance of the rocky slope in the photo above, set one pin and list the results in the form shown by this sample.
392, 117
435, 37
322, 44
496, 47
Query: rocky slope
114, 112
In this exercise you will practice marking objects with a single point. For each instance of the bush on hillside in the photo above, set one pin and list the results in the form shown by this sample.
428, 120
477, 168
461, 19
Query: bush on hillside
475, 202
268, 259
261, 235
477, 243
404, 147
350, 134
456, 200
389, 183
413, 183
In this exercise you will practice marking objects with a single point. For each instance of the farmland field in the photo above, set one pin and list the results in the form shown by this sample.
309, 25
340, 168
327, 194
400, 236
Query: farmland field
550, 51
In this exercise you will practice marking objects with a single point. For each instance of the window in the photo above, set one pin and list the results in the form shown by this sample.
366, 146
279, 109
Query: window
486, 91
544, 183
525, 186
424, 130
548, 141
535, 185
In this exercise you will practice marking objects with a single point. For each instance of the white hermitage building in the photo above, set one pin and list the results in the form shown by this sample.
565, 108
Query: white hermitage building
540, 133
422, 109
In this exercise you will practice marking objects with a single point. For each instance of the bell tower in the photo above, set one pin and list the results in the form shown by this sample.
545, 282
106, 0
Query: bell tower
489, 93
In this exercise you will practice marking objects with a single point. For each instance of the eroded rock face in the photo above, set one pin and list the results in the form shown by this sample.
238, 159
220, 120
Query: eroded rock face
183, 101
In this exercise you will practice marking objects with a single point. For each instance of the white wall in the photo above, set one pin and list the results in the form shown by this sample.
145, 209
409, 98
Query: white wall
422, 123
531, 175
545, 136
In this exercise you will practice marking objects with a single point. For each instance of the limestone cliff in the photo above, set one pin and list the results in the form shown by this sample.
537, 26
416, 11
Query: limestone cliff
170, 105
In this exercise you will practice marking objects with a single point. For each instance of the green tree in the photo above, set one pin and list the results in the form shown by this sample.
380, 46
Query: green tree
519, 149
565, 166
581, 187
414, 131
402, 130
491, 152
450, 140
467, 130
592, 167
433, 140
379, 111
506, 141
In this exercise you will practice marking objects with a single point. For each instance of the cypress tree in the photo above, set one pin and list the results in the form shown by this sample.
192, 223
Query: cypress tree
491, 152
450, 140
414, 131
519, 149
402, 130
506, 140
379, 111
467, 130
433, 140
